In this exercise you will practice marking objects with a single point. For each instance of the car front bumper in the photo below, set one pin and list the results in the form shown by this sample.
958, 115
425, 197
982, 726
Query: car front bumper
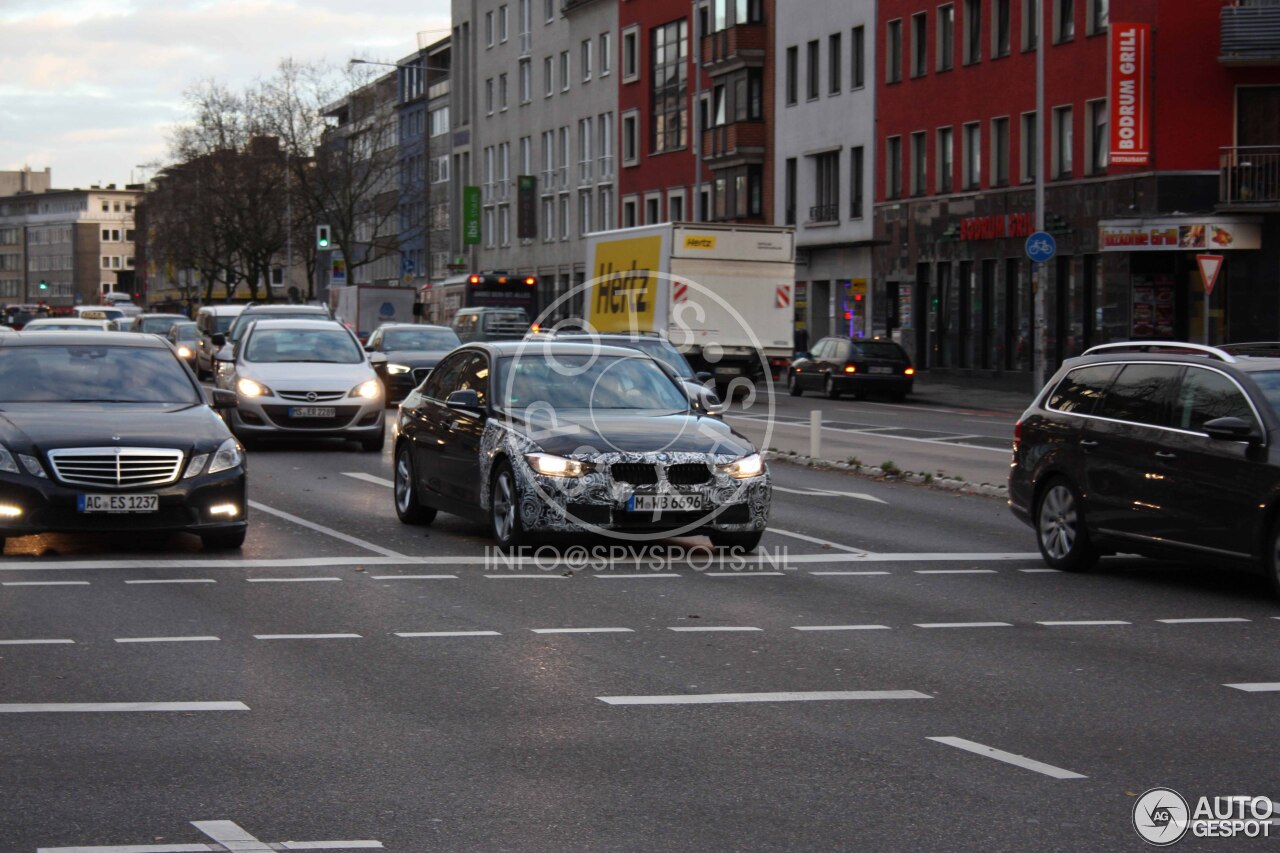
265, 417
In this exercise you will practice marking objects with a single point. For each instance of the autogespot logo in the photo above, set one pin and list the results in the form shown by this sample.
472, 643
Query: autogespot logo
1160, 816
688, 313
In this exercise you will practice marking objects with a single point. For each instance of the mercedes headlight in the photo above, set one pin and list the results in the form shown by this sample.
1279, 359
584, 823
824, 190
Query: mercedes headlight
550, 465
7, 462
370, 390
744, 468
249, 388
227, 456
397, 369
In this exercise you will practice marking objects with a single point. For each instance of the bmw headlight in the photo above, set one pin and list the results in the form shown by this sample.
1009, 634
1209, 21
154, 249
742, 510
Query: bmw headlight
744, 468
550, 465
370, 390
227, 456
397, 369
249, 388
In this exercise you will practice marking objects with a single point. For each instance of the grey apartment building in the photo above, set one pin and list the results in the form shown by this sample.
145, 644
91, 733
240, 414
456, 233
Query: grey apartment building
534, 100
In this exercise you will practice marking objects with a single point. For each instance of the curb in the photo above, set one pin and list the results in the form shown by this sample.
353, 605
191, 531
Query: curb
950, 484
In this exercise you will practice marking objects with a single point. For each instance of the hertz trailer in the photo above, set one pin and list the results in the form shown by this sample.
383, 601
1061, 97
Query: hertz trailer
722, 294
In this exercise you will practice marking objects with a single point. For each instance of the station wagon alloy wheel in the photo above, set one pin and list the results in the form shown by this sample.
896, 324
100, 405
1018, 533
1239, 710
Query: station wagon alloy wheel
1063, 539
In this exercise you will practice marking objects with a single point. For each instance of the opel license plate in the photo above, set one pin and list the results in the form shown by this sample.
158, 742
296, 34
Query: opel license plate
665, 503
117, 503
880, 369
312, 411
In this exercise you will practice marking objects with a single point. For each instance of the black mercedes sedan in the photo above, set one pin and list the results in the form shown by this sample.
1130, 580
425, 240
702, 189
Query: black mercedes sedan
412, 350
112, 433
541, 436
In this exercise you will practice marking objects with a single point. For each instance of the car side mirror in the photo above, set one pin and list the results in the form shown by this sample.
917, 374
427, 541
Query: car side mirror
1231, 429
704, 375
218, 339
376, 358
221, 398
417, 309
466, 400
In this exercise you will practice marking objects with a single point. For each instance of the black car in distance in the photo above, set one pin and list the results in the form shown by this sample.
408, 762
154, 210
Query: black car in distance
110, 433
412, 350
837, 366
1167, 450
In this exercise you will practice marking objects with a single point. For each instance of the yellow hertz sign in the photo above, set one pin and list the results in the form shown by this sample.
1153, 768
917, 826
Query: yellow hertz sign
700, 241
626, 289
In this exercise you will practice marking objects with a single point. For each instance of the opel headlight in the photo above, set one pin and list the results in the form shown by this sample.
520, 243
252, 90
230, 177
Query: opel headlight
227, 456
184, 352
744, 468
368, 390
397, 369
249, 388
550, 465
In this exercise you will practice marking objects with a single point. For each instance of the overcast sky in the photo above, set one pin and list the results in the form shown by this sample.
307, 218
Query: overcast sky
90, 88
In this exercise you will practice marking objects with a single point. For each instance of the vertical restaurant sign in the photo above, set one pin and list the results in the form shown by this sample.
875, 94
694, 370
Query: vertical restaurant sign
470, 215
1130, 103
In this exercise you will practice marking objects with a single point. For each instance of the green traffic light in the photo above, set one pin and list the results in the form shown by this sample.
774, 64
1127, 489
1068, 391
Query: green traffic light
44, 285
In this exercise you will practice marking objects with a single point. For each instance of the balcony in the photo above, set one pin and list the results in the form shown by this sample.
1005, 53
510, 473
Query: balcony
1250, 33
741, 142
1249, 177
824, 213
736, 47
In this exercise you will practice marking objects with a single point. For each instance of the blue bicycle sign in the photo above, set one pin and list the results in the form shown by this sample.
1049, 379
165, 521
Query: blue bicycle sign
1041, 247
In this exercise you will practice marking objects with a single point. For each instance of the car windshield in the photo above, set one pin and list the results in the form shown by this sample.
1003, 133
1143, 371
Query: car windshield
183, 332
877, 349
1269, 382
587, 382
655, 347
157, 325
420, 339
93, 373
222, 322
244, 321
330, 346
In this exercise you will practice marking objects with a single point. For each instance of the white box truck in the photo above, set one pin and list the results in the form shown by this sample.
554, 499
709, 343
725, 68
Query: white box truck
365, 307
722, 294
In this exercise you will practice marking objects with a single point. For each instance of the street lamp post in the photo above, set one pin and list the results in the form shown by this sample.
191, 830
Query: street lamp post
1037, 268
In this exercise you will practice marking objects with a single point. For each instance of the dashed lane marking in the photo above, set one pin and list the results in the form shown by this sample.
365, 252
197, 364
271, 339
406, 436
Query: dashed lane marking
850, 574
166, 639
37, 642
956, 572
448, 634
713, 628
117, 707
527, 577
45, 583
174, 580
840, 627
327, 531
789, 696
582, 630
1008, 757
743, 574
292, 580
1256, 686
880, 432
369, 478
307, 636
636, 575
1203, 621
413, 577
1083, 623
964, 624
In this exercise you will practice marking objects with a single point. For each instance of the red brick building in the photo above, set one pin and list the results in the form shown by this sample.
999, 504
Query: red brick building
956, 165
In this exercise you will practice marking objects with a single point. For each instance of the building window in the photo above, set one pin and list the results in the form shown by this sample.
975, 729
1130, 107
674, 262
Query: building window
858, 58
1030, 24
793, 72
586, 162
630, 55
1000, 24
1062, 142
605, 143
835, 64
629, 213
549, 76
826, 188
606, 208
489, 230
488, 96
670, 115
565, 82
789, 192
893, 167
1099, 16
946, 37
1029, 160
504, 225
1064, 20
502, 91
564, 216
675, 206
893, 52
813, 70
549, 11
1097, 140
526, 81
1000, 152
857, 162
972, 31
606, 54
919, 44
584, 213
630, 138
586, 60
919, 163
488, 29
502, 23
946, 160
548, 219
972, 156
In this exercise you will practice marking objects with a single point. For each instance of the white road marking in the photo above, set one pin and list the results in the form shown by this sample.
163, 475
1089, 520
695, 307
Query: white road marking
448, 634
964, 625
291, 580
1256, 686
166, 639
177, 580
789, 696
414, 577
607, 576
527, 577
227, 837
307, 636
1008, 757
118, 707
862, 496
840, 627
369, 478
816, 541
231, 836
1042, 571
1085, 622
37, 642
710, 628
327, 531
45, 583
956, 572
853, 574
582, 630
1203, 621
805, 426
742, 574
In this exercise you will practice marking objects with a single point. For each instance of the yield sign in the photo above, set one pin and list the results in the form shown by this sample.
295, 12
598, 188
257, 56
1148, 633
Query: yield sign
1209, 266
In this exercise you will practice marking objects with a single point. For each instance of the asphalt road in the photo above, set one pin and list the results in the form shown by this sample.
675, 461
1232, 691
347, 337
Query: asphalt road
897, 671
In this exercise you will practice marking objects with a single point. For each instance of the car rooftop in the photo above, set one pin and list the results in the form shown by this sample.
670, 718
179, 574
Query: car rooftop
297, 323
554, 347
68, 338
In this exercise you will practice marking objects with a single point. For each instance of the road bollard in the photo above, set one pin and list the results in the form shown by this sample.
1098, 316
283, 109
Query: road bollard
815, 434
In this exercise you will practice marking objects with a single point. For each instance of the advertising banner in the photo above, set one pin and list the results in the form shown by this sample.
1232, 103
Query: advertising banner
471, 216
1130, 103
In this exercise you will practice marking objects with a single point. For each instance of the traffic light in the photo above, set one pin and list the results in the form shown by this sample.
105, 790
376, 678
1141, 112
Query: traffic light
44, 285
322, 236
